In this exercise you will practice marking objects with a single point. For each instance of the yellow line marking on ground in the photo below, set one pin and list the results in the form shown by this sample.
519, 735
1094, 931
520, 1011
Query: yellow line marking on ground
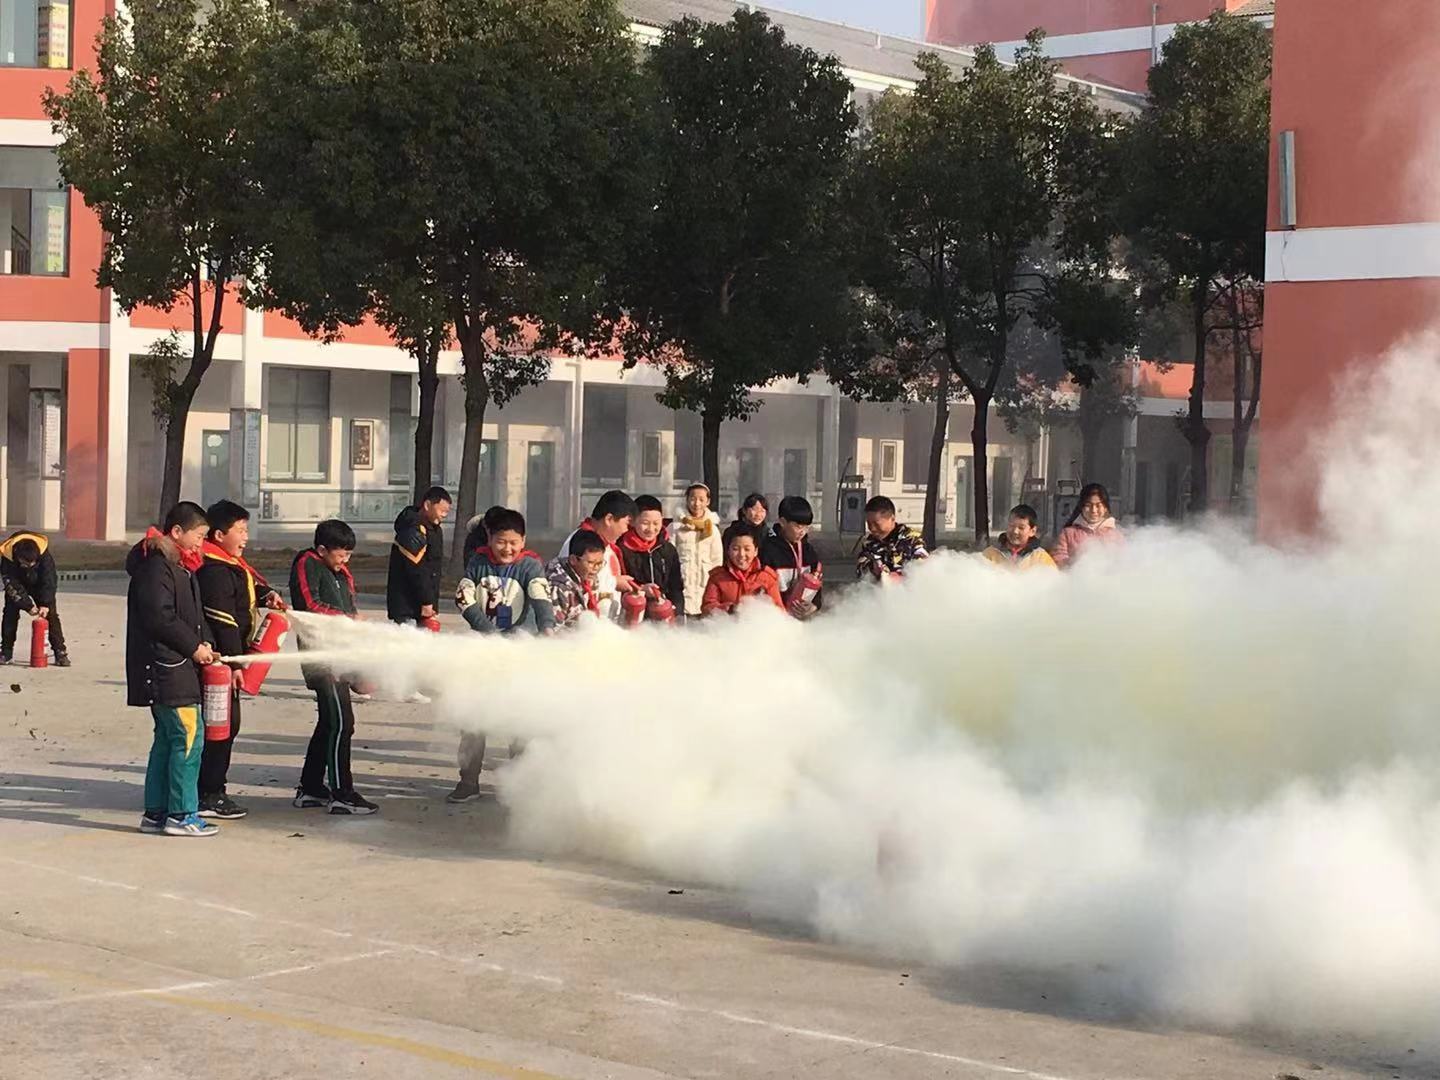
424, 1051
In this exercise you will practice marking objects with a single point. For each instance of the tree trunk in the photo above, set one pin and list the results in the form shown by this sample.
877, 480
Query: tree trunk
182, 394
1197, 432
979, 447
425, 423
1243, 416
174, 448
937, 452
1089, 448
710, 453
477, 397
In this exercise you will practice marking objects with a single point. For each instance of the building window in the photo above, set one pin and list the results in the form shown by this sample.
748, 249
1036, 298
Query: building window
298, 447
650, 454
889, 461
34, 212
688, 440
797, 473
602, 443
402, 430
35, 34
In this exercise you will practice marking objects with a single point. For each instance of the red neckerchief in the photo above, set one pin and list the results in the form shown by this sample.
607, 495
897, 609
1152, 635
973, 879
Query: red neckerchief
191, 560
212, 550
496, 562
633, 541
592, 602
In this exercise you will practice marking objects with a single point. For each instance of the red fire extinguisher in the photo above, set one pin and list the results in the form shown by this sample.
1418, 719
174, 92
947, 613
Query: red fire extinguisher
658, 607
215, 684
632, 606
806, 588
39, 628
431, 623
269, 638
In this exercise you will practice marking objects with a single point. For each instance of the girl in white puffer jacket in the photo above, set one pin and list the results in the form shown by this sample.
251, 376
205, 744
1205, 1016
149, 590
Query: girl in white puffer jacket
696, 535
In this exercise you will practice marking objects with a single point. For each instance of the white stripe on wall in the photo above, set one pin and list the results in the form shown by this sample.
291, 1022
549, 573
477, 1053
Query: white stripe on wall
27, 133
1354, 253
1096, 42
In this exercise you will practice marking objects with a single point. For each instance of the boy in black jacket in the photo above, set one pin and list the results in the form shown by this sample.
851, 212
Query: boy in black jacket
320, 583
28, 571
412, 587
650, 558
233, 593
787, 551
165, 640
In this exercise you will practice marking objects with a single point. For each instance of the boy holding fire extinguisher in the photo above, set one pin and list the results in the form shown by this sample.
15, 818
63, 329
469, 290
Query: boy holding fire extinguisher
166, 643
233, 593
787, 550
30, 581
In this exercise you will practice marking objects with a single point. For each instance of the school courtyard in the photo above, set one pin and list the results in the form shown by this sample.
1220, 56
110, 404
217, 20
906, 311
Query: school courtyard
419, 943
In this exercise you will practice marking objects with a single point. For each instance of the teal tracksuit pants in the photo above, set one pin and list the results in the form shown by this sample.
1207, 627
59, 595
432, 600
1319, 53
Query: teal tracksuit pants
173, 773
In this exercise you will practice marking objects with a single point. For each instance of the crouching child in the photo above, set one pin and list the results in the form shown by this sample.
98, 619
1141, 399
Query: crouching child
166, 642
504, 591
28, 571
320, 583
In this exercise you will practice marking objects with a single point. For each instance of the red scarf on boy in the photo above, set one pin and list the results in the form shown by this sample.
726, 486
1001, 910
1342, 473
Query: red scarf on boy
191, 560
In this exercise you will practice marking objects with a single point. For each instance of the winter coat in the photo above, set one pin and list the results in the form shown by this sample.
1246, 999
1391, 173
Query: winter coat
505, 597
790, 562
1075, 536
656, 563
570, 597
1031, 557
28, 587
233, 592
728, 586
880, 557
416, 559
607, 584
315, 588
700, 552
164, 625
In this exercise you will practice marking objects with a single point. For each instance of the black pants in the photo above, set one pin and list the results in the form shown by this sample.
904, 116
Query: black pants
327, 758
472, 756
10, 623
215, 757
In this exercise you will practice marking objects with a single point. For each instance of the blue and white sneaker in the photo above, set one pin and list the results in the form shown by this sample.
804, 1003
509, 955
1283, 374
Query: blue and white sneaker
189, 825
154, 825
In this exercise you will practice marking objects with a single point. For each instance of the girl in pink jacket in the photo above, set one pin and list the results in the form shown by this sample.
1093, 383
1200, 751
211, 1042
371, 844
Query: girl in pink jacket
1090, 523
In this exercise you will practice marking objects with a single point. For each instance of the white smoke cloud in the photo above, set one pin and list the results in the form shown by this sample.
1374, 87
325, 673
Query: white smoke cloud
1198, 775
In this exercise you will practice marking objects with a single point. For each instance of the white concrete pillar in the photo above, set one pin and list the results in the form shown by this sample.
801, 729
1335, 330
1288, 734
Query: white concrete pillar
4, 445
1129, 440
830, 460
246, 388
576, 436
117, 432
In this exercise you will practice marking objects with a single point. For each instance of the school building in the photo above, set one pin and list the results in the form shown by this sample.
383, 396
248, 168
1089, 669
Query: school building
300, 430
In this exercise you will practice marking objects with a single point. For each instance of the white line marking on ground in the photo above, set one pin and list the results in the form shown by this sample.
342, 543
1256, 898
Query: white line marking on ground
387, 946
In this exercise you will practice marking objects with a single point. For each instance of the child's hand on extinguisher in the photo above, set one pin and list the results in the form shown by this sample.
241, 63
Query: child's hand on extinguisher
276, 602
204, 654
42, 612
237, 678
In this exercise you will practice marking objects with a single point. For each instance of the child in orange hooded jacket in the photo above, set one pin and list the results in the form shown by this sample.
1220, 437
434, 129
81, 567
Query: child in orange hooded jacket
741, 575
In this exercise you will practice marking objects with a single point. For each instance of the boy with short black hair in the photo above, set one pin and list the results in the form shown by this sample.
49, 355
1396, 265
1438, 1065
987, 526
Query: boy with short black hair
650, 558
233, 593
505, 590
320, 583
610, 520
574, 578
741, 576
1019, 546
889, 546
27, 569
787, 550
166, 642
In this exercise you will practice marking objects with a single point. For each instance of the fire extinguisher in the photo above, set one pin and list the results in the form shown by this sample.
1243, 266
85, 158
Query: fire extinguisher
806, 588
215, 684
39, 628
632, 606
269, 638
431, 623
658, 607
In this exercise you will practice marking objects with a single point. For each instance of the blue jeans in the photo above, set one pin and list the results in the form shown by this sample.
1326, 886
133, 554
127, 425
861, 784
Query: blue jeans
172, 775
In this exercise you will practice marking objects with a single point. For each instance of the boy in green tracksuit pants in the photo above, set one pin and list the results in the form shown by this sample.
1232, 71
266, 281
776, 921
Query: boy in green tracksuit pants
320, 583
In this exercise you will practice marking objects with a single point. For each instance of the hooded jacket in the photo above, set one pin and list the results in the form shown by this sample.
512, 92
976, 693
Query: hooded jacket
315, 588
728, 587
1032, 556
697, 543
164, 625
1075, 536
879, 557
28, 587
790, 562
655, 562
416, 558
570, 597
232, 591
505, 597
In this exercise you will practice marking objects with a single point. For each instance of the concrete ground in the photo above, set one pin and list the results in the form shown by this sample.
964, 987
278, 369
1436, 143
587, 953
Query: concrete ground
417, 943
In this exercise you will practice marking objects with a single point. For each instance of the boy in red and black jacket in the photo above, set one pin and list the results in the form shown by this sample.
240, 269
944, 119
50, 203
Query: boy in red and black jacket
233, 593
787, 550
650, 558
320, 583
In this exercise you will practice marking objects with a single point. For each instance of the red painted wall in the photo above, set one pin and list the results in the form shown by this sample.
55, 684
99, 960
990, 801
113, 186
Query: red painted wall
87, 402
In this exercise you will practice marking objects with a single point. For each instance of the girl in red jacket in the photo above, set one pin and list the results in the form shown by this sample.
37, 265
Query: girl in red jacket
741, 575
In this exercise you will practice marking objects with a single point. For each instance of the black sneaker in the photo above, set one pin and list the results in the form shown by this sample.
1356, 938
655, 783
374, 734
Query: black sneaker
63, 660
352, 803
464, 793
309, 800
221, 806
